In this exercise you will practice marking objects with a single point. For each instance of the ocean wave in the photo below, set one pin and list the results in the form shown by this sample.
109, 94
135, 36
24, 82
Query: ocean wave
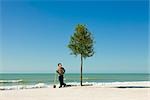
114, 84
10, 81
101, 84
18, 87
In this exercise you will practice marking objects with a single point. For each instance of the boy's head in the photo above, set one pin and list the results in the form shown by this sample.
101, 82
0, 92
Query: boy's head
59, 65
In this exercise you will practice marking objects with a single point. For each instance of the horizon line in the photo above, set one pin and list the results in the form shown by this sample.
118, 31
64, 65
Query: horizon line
69, 73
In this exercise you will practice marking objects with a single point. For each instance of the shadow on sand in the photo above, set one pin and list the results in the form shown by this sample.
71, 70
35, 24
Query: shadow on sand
79, 85
133, 87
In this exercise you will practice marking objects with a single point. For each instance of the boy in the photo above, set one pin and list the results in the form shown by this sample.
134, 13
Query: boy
61, 72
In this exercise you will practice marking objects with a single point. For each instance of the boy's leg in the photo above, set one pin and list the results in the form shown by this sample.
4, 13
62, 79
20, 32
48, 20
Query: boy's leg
63, 81
60, 81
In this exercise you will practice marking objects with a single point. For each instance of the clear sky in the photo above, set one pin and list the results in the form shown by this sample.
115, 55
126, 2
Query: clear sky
35, 35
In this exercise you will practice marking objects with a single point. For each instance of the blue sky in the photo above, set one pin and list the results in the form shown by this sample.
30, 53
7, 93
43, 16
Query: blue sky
35, 35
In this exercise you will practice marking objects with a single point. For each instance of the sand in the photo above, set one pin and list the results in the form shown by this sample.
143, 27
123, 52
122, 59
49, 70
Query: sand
77, 93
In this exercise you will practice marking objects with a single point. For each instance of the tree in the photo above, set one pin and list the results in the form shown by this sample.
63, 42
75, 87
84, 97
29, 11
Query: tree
81, 43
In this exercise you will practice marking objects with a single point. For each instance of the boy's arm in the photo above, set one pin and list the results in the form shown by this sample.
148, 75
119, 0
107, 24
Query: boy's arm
57, 71
64, 70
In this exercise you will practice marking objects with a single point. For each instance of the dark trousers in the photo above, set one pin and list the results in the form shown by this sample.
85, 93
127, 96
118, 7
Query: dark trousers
61, 80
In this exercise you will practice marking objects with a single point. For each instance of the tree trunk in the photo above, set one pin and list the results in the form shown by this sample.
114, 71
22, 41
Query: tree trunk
81, 70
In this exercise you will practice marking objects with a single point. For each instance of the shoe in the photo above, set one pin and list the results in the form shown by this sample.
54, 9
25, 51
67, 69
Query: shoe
60, 86
64, 85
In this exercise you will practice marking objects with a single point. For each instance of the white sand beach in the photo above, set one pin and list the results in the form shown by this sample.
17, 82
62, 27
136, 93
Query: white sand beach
77, 93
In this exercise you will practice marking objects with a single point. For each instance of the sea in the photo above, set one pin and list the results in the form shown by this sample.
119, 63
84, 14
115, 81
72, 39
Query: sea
11, 81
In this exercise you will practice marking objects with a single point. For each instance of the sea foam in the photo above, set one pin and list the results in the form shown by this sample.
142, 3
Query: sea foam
101, 84
18, 87
10, 81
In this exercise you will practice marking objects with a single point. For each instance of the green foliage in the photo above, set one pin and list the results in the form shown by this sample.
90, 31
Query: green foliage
81, 42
